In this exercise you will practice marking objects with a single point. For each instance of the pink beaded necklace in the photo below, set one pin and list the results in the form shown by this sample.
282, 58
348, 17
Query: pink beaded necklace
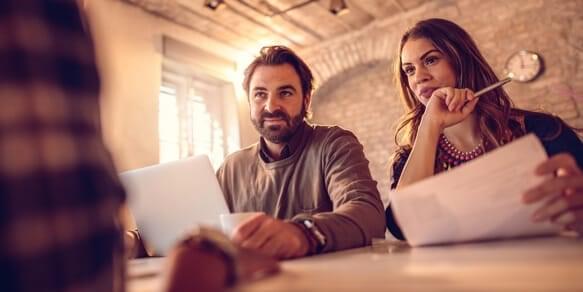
449, 156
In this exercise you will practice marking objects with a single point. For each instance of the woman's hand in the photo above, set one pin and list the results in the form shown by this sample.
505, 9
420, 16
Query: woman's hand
448, 106
562, 193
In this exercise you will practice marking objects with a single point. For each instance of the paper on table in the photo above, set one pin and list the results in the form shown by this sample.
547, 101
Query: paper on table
478, 200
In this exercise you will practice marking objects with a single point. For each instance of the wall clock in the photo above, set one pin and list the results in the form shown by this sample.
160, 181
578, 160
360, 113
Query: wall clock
524, 66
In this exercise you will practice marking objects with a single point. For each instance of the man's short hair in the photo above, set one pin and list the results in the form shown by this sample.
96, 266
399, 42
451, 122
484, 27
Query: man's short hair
279, 55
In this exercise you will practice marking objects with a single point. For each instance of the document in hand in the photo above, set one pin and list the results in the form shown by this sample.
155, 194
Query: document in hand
476, 201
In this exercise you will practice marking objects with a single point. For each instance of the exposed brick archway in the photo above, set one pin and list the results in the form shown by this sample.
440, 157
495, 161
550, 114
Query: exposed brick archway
365, 47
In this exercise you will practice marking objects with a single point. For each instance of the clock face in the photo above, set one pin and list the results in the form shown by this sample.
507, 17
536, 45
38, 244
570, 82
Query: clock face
524, 66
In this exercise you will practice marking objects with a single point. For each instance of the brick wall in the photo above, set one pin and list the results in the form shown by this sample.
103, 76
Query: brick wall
354, 72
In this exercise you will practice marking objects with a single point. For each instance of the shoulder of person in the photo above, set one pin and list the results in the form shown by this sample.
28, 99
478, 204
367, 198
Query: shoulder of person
542, 124
335, 141
333, 132
235, 158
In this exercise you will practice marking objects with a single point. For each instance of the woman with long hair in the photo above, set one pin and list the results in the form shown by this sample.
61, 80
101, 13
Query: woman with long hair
438, 69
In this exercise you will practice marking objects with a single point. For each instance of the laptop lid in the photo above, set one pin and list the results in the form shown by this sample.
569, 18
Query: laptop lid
169, 199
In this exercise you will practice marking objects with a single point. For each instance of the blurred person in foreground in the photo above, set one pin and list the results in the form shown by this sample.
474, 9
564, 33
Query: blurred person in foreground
60, 197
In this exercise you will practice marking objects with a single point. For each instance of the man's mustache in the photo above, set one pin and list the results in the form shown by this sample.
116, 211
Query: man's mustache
275, 114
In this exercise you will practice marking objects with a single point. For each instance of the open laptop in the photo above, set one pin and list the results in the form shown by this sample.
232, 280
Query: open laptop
169, 199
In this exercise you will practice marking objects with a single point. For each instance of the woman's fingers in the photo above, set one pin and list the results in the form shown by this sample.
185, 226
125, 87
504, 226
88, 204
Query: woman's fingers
562, 195
455, 98
553, 187
569, 218
469, 106
569, 182
470, 96
449, 96
562, 161
576, 221
461, 100
451, 105
558, 206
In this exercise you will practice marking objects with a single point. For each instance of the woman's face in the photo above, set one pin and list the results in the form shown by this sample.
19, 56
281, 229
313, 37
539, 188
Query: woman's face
426, 68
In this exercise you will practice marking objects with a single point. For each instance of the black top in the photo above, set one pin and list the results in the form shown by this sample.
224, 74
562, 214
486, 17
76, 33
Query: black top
543, 126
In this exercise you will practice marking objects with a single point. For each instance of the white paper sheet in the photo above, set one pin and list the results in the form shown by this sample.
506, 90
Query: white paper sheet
476, 201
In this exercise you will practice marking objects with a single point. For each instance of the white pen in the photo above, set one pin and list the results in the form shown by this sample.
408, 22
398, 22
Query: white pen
493, 86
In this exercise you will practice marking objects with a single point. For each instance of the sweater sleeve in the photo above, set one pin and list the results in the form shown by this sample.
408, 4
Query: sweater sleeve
395, 175
358, 211
566, 142
223, 182
556, 136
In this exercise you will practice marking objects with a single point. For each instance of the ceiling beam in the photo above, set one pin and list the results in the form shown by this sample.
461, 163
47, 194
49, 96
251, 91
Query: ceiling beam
214, 22
258, 23
287, 18
141, 4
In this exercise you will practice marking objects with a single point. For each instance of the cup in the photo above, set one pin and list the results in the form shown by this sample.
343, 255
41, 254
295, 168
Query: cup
230, 221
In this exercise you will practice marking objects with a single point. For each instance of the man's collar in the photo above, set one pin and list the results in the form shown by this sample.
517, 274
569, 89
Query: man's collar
288, 150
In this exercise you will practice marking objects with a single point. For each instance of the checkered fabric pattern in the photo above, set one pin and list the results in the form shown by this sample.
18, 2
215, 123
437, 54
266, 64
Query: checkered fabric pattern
59, 191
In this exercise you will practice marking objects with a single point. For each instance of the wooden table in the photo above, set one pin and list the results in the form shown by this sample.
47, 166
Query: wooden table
536, 264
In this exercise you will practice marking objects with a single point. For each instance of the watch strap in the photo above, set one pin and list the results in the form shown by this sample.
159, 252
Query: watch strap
316, 239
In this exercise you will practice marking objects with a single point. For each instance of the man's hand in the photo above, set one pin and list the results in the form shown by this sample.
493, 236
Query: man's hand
563, 193
272, 237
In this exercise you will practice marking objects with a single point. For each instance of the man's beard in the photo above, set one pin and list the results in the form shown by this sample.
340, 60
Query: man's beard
275, 133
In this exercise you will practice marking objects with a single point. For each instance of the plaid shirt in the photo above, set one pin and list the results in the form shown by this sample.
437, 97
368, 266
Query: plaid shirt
59, 191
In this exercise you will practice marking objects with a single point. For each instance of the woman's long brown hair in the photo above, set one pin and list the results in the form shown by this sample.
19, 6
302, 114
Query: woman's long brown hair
497, 120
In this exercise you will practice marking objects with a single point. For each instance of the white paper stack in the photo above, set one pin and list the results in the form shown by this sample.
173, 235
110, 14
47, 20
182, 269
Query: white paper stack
479, 200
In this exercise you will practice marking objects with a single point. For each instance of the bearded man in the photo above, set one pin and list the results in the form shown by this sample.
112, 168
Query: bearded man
311, 182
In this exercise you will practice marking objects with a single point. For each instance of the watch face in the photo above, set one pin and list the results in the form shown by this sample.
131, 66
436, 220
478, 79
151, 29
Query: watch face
524, 66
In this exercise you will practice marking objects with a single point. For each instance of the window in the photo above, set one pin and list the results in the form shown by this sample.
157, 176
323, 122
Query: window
191, 120
168, 124
197, 105
206, 132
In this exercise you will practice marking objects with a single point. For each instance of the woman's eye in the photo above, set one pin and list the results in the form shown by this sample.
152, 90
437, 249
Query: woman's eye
430, 60
409, 70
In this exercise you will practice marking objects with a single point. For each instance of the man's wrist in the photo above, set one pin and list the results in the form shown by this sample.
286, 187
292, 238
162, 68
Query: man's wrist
307, 243
315, 237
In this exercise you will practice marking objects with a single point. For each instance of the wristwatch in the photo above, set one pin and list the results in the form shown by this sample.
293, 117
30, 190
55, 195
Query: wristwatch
315, 233
212, 240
